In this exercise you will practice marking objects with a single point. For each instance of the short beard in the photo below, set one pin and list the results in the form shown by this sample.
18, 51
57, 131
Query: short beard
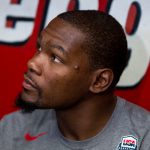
26, 107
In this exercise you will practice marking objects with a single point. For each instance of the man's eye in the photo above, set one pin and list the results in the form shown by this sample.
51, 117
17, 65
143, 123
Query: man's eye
55, 59
39, 49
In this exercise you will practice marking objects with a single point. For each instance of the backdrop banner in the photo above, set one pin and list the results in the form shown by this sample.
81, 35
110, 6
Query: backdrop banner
22, 20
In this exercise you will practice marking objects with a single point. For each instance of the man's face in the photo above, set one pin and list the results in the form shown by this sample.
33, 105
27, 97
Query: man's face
58, 75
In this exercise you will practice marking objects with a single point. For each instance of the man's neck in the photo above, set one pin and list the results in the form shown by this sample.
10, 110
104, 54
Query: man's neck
86, 119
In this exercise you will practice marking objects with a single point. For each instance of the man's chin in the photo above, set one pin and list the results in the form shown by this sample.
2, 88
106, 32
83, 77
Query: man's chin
26, 106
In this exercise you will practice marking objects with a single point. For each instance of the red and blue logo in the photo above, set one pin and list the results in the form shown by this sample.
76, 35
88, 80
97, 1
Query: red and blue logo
128, 143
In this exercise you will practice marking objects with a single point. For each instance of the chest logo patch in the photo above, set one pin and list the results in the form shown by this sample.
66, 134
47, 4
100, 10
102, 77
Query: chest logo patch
128, 143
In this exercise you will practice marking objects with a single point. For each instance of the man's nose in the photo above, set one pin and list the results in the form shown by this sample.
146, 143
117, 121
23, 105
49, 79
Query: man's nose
34, 65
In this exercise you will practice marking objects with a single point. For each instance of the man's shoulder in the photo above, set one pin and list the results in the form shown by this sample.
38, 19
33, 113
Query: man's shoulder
138, 115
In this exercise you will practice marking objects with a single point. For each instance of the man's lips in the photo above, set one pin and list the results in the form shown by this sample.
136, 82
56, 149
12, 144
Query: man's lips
28, 83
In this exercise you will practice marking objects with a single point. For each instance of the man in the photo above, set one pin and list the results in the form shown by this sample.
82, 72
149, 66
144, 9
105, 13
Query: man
68, 99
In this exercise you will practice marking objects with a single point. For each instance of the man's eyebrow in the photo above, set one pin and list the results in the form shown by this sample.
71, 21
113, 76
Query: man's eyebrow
60, 48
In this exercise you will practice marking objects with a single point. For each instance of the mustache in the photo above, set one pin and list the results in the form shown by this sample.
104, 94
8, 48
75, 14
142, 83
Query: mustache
29, 79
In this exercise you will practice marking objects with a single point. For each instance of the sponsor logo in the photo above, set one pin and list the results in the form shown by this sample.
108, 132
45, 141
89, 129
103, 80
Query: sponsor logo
128, 143
29, 137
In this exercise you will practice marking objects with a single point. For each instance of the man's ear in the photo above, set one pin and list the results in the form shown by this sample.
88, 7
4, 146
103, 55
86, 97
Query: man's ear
101, 80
